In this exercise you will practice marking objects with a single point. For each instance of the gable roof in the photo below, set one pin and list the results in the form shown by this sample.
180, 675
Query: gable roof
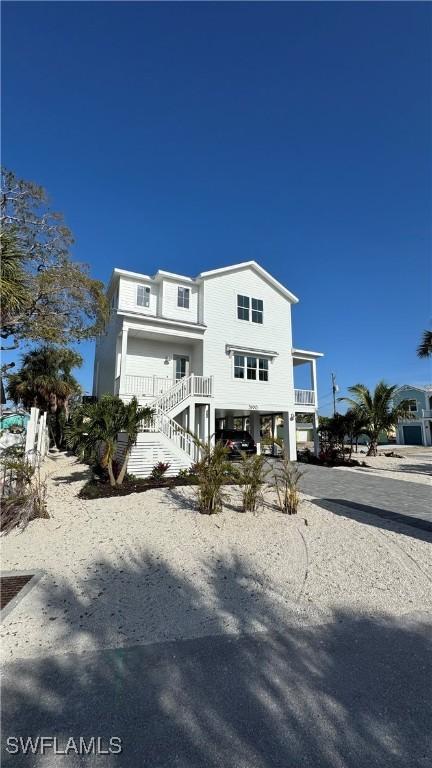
427, 388
160, 274
256, 268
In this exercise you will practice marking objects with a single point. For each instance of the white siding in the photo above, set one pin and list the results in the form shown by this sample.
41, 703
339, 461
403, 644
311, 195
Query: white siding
128, 296
169, 301
223, 327
105, 358
146, 357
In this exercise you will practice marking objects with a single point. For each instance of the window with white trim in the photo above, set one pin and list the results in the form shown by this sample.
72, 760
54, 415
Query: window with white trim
183, 296
263, 369
143, 296
239, 364
251, 368
250, 309
243, 307
257, 311
412, 406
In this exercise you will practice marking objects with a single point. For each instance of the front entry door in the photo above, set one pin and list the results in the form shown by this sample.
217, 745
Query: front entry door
181, 367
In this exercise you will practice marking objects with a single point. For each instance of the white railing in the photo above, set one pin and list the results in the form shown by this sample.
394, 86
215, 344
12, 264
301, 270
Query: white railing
189, 386
145, 386
304, 397
426, 414
161, 422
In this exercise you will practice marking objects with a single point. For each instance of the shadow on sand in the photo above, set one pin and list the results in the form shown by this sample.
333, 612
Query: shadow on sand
350, 693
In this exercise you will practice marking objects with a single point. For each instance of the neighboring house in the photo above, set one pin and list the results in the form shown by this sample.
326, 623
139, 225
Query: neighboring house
416, 430
210, 352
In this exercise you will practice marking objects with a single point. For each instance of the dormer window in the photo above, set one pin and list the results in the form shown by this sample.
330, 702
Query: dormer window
143, 296
183, 297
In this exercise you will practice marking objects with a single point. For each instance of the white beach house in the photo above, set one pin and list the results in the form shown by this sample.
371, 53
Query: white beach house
207, 352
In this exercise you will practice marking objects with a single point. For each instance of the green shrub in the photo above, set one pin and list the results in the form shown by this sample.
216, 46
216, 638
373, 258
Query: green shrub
211, 472
251, 476
287, 477
24, 494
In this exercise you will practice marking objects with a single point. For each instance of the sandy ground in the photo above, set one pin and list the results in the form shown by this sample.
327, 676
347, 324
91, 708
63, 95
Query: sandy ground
415, 466
148, 567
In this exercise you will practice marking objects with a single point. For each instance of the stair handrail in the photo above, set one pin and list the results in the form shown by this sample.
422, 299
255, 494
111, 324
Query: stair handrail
181, 390
161, 422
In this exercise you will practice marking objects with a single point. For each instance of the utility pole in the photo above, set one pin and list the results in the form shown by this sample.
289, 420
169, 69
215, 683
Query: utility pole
335, 389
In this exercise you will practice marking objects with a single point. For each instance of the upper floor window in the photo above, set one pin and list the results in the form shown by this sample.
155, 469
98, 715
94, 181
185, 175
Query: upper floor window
257, 310
250, 309
412, 406
243, 307
183, 296
143, 295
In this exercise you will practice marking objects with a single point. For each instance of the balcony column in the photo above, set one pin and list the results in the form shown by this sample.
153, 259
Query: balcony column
314, 382
124, 340
289, 435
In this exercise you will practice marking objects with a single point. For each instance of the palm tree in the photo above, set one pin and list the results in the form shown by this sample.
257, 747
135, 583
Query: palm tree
45, 381
45, 378
424, 349
14, 288
376, 410
133, 416
95, 427
356, 424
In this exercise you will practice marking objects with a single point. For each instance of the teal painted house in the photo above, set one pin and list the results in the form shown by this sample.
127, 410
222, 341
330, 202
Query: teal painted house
418, 429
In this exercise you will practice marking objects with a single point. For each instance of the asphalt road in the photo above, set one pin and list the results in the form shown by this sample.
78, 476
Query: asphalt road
351, 694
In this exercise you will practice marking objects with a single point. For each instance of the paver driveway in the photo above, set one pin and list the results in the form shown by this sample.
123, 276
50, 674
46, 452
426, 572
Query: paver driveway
398, 500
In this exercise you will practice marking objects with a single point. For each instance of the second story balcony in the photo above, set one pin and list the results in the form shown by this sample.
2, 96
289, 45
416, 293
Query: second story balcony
304, 397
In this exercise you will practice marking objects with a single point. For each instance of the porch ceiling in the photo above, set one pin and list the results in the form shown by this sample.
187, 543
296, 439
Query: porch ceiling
161, 337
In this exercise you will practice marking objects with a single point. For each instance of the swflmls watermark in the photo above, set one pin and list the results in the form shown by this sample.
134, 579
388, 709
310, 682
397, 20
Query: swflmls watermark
43, 745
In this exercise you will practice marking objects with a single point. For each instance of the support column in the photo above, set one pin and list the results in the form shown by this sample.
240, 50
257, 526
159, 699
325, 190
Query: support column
191, 419
211, 426
229, 420
314, 382
255, 424
315, 433
289, 435
124, 340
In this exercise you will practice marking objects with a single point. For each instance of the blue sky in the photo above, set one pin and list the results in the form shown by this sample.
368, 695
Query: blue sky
190, 136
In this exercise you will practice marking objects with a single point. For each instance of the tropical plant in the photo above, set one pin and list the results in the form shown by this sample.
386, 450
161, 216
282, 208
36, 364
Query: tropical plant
212, 471
287, 478
94, 431
45, 380
251, 475
48, 297
355, 426
159, 470
424, 349
376, 410
14, 288
23, 491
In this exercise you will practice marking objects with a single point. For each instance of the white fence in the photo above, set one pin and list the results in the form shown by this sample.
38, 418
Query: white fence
37, 437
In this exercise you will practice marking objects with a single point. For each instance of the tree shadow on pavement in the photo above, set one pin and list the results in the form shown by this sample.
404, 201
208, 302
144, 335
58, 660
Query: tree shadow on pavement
378, 518
277, 689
